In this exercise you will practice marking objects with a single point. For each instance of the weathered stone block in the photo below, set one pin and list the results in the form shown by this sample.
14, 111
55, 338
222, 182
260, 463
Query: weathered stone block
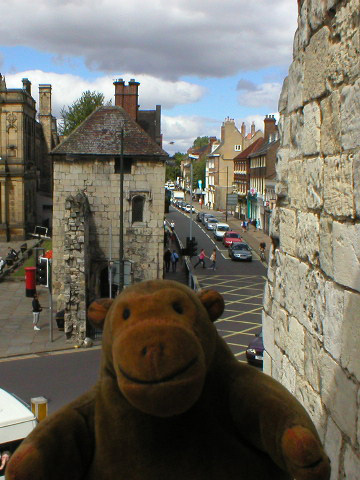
350, 116
350, 334
333, 319
308, 238
339, 393
311, 364
268, 333
287, 227
314, 70
311, 133
311, 401
313, 172
330, 124
346, 248
351, 464
333, 444
338, 186
326, 249
296, 135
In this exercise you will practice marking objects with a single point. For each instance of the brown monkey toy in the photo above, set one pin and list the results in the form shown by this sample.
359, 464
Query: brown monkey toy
172, 403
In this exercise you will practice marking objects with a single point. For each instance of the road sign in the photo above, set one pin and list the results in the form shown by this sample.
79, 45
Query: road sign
232, 199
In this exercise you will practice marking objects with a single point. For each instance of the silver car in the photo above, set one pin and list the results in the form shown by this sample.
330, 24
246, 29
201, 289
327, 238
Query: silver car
240, 251
211, 223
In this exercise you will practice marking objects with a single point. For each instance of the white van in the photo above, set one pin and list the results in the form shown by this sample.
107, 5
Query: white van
16, 422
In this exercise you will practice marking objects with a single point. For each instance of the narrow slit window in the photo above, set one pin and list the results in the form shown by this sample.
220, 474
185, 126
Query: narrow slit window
138, 209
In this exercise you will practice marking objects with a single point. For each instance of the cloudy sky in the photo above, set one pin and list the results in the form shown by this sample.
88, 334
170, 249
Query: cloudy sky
201, 60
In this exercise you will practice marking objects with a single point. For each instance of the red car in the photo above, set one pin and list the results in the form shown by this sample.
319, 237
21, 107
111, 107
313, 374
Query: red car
231, 237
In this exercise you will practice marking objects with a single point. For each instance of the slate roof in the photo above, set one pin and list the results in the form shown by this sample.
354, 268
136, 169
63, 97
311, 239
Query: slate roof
99, 134
264, 148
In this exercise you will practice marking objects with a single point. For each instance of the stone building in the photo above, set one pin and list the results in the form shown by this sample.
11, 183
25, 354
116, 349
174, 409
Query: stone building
312, 299
25, 166
87, 226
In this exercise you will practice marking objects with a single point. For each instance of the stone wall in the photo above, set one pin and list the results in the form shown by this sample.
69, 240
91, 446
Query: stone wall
143, 241
311, 313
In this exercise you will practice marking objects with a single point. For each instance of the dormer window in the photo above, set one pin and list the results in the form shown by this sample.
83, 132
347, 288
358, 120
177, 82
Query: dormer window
237, 148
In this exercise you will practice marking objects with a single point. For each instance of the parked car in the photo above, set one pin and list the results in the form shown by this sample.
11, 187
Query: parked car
205, 216
199, 216
240, 251
220, 230
255, 351
210, 223
231, 237
188, 208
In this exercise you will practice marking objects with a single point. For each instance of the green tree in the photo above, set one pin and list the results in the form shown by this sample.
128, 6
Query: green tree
76, 113
200, 142
199, 172
173, 169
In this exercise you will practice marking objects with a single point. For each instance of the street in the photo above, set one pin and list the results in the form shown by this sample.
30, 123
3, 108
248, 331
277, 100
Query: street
240, 283
59, 377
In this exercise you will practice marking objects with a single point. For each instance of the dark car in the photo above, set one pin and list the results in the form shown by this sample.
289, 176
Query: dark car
240, 251
255, 351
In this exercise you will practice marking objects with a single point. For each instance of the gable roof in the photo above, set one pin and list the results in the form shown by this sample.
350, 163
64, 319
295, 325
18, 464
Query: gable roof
250, 149
265, 148
100, 134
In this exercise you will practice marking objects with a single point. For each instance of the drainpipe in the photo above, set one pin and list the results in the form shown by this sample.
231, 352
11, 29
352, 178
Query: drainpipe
6, 194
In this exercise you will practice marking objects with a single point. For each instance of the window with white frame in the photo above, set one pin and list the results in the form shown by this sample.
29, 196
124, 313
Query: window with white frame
237, 148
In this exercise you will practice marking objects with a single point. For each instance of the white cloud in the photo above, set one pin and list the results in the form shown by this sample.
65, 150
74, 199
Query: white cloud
66, 88
162, 38
183, 130
264, 96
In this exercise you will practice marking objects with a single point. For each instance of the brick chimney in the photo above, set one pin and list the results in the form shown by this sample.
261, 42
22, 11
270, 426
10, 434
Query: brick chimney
270, 126
26, 85
126, 96
253, 129
243, 129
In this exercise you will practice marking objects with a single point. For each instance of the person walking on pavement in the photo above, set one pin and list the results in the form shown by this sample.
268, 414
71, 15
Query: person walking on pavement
36, 311
174, 259
167, 257
201, 259
213, 260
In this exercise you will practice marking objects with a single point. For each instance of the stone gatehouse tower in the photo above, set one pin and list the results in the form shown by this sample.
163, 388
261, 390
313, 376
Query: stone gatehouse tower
86, 217
311, 317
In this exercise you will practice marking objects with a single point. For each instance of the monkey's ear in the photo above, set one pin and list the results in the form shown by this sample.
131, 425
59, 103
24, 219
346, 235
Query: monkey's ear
98, 310
213, 302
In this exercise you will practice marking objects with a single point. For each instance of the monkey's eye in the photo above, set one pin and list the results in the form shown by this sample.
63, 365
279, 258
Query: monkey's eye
178, 307
126, 313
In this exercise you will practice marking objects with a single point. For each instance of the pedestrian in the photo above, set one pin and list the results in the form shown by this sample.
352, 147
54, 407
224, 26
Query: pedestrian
167, 257
2, 264
172, 225
213, 260
36, 311
243, 226
174, 259
201, 259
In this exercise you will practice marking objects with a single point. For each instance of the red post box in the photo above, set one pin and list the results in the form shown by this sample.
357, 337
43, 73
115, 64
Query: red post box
30, 281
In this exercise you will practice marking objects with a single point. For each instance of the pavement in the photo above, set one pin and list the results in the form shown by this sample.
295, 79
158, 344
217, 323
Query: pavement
18, 338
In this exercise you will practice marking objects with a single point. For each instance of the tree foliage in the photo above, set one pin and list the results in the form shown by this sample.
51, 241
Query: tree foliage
173, 169
200, 142
81, 108
199, 172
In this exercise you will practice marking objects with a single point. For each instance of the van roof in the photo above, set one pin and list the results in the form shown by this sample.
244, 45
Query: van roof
12, 410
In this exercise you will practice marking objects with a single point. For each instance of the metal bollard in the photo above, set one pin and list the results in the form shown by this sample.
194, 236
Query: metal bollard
39, 407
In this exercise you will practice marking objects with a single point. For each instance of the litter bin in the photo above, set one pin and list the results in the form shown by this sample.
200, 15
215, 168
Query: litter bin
30, 281
59, 317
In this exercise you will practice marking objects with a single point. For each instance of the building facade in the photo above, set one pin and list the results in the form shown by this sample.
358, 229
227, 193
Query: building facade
25, 166
220, 162
312, 296
92, 228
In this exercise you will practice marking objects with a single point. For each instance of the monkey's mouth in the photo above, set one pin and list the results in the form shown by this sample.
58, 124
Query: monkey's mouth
164, 379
